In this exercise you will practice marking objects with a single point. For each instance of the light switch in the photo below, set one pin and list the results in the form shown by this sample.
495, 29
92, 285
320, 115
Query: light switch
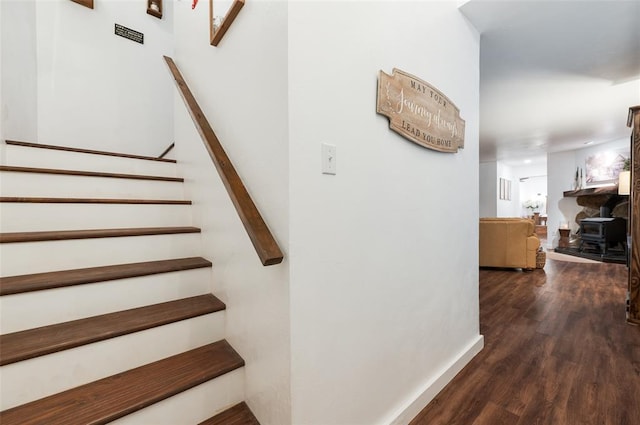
328, 159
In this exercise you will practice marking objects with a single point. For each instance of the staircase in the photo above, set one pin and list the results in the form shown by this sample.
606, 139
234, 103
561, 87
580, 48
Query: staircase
106, 307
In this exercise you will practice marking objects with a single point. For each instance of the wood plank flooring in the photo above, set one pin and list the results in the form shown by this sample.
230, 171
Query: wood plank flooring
557, 352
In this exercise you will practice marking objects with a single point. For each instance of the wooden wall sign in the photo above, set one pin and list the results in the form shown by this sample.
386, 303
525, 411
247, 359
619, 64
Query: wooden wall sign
420, 112
128, 33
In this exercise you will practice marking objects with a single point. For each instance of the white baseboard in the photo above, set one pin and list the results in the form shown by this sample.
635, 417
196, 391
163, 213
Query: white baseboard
419, 400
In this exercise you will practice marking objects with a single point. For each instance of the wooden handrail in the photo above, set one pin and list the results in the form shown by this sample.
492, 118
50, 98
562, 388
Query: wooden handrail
262, 239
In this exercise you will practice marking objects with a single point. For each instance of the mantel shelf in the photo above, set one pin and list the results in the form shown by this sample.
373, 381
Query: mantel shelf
605, 190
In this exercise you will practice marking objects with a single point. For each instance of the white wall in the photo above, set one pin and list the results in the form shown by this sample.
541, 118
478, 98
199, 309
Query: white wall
383, 255
242, 87
19, 70
561, 168
92, 88
533, 186
581, 155
488, 189
490, 203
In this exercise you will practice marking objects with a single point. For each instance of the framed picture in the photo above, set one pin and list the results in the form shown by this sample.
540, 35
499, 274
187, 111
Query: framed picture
87, 3
221, 17
604, 167
504, 189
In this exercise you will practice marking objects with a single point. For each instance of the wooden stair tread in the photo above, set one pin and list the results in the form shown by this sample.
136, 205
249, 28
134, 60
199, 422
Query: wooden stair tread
89, 151
110, 398
17, 169
91, 233
23, 345
39, 281
240, 414
49, 200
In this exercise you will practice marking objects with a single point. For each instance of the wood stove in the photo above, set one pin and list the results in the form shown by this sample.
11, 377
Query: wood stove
603, 232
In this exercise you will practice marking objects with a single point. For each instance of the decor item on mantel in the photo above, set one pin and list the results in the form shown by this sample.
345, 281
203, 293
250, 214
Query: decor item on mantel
419, 112
577, 183
219, 24
86, 3
154, 8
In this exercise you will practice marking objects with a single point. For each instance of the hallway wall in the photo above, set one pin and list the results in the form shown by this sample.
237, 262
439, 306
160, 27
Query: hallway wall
241, 85
384, 255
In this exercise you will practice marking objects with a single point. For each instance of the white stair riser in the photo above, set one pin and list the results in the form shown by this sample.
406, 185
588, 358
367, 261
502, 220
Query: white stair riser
35, 257
194, 405
49, 158
32, 379
40, 308
64, 186
30, 217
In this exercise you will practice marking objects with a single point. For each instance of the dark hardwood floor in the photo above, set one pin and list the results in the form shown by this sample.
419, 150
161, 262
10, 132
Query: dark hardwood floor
557, 351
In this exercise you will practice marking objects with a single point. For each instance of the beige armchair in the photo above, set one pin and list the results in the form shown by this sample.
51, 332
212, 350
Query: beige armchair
508, 242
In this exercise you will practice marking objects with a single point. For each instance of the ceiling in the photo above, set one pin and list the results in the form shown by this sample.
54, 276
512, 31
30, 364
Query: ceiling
554, 75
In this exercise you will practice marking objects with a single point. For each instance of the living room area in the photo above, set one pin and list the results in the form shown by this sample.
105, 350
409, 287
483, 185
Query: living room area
571, 196
558, 88
554, 141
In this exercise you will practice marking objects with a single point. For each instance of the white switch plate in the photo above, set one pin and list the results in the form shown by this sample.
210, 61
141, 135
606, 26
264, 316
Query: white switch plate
328, 159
